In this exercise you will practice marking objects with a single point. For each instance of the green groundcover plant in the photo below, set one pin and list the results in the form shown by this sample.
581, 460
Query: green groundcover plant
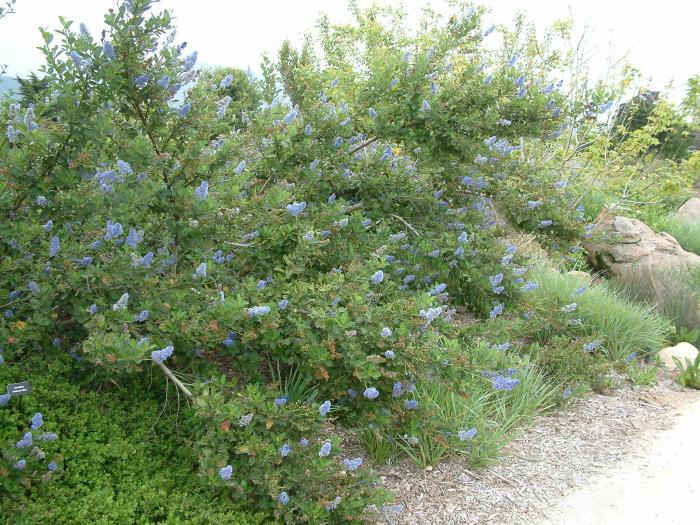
291, 265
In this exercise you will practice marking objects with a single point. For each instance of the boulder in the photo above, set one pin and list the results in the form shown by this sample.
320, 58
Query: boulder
681, 351
579, 275
621, 244
690, 210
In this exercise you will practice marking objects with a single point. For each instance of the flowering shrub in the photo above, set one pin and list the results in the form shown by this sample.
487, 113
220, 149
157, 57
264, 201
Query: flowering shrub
332, 231
26, 462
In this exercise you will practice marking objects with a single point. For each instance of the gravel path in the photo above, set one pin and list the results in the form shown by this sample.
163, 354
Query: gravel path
566, 449
659, 485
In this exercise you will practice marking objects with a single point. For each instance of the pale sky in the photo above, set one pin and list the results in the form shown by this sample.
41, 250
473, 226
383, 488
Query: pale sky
661, 38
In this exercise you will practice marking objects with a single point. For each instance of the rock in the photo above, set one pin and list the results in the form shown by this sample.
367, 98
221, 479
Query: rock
579, 275
681, 351
690, 210
621, 244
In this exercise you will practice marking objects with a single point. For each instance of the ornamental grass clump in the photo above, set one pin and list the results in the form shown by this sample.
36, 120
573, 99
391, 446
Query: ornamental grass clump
605, 319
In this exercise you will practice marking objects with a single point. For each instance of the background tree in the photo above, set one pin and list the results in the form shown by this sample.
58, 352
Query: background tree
674, 139
244, 90
32, 89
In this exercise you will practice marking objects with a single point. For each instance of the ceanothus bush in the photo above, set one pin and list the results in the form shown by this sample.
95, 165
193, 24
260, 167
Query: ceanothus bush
331, 232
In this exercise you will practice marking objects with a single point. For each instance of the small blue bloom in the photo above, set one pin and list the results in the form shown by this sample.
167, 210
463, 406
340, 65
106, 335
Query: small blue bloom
386, 332
352, 464
92, 309
338, 142
282, 305
113, 230
304, 442
285, 450
20, 464
158, 356
579, 291
495, 280
201, 271
54, 247
240, 167
325, 449
56, 342
189, 62
569, 308
52, 466
123, 167
389, 354
426, 106
566, 394
289, 118
140, 80
258, 311
296, 208
465, 435
496, 311
163, 82
410, 404
437, 289
372, 113
283, 498
501, 382
26, 441
324, 408
308, 130
37, 421
371, 393
134, 237
226, 81
377, 277
529, 286
142, 316
108, 50
202, 190
184, 110
280, 401
589, 347
226, 472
